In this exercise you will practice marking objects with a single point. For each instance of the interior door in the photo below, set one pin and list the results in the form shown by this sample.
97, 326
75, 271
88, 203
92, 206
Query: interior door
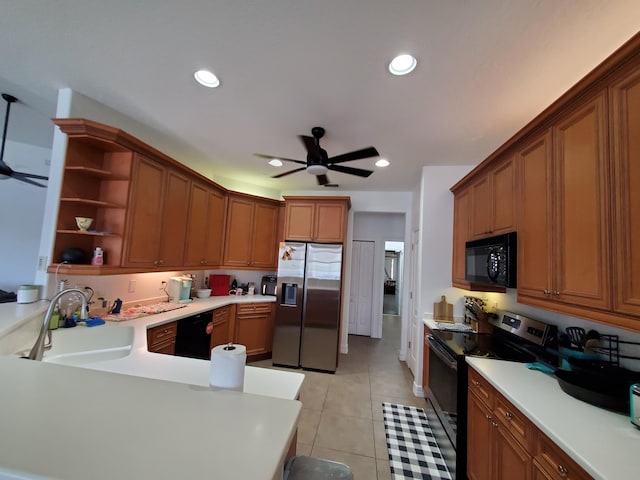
361, 295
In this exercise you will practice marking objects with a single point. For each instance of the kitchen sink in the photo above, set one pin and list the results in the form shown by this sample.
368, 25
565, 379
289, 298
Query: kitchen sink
82, 345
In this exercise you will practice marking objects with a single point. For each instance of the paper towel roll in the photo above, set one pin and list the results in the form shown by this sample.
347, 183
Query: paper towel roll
227, 367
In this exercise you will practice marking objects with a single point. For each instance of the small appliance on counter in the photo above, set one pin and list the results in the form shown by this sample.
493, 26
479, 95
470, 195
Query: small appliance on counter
269, 285
634, 393
180, 289
219, 285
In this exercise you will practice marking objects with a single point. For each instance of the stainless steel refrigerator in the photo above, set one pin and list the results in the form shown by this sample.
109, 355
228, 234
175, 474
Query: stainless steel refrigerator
308, 304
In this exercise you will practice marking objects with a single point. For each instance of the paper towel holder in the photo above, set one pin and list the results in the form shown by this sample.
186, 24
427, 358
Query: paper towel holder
229, 346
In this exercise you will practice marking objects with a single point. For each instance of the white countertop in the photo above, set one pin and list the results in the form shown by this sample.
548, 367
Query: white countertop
604, 443
73, 423
168, 424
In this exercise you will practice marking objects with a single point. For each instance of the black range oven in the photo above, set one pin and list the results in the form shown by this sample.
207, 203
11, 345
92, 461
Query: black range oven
516, 338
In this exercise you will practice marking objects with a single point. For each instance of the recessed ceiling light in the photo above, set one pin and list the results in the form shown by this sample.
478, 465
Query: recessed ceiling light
206, 78
382, 163
275, 163
402, 64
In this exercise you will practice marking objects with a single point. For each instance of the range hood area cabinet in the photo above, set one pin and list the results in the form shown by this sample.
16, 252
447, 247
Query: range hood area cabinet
577, 198
150, 212
492, 200
316, 219
484, 207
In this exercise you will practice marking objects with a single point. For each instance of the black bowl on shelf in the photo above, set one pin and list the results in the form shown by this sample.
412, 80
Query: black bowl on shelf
74, 256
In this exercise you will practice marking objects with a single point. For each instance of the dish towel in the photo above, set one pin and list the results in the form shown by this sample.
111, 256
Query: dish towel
413, 450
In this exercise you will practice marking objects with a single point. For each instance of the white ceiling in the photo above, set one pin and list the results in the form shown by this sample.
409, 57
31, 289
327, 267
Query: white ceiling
486, 68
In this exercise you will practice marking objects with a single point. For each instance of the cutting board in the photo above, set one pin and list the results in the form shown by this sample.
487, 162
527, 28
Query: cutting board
443, 311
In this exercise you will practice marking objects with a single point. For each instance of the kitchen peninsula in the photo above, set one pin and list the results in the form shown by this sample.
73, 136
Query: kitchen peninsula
143, 415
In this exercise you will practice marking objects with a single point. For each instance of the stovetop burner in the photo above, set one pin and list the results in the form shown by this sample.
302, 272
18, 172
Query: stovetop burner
502, 344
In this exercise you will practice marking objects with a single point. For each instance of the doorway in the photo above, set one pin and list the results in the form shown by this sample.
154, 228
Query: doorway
393, 253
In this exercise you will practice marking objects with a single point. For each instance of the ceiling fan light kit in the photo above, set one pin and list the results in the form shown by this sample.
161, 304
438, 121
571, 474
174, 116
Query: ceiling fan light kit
319, 163
5, 170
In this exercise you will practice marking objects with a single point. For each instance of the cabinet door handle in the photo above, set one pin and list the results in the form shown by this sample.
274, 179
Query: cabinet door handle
508, 415
562, 470
488, 417
556, 292
494, 424
476, 383
160, 262
547, 292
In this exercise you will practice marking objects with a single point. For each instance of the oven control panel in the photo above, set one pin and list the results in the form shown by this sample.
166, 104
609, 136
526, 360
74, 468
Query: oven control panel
530, 329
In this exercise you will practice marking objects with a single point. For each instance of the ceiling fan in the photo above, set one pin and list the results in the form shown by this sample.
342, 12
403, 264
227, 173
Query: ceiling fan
5, 170
318, 162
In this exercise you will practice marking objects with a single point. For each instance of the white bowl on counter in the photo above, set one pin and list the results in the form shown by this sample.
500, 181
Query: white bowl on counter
204, 292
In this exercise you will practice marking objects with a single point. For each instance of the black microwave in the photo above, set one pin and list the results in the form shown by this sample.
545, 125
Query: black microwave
492, 261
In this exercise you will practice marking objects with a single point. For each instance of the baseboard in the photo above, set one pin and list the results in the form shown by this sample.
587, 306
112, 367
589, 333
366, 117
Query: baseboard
418, 391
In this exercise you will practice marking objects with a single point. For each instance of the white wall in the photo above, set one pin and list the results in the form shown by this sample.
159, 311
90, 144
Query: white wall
21, 214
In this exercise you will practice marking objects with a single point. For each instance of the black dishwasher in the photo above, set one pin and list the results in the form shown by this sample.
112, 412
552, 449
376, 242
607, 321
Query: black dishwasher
192, 339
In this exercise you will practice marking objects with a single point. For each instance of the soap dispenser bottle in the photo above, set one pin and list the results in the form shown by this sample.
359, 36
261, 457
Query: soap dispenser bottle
98, 258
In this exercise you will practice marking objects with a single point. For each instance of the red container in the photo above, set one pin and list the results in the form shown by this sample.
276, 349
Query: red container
219, 285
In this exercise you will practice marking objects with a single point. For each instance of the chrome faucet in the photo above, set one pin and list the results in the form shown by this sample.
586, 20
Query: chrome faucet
39, 347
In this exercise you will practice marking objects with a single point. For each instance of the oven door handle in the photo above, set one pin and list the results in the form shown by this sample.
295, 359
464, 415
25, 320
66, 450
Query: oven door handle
435, 347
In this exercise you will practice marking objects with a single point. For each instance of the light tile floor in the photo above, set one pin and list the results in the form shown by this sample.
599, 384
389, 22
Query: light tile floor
341, 415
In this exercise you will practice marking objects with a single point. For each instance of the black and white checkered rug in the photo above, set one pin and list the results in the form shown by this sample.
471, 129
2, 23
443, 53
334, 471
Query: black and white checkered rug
413, 451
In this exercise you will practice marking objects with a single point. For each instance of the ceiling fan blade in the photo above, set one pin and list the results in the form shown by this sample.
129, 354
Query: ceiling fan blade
350, 170
289, 172
355, 155
322, 179
29, 175
271, 157
309, 143
26, 180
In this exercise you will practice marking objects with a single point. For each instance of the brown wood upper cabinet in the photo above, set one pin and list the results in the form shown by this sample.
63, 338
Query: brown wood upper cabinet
316, 219
461, 226
157, 215
564, 243
205, 226
251, 235
625, 108
95, 184
492, 200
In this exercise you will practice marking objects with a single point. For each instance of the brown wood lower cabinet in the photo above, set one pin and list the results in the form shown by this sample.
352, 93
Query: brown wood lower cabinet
223, 320
162, 339
504, 444
254, 328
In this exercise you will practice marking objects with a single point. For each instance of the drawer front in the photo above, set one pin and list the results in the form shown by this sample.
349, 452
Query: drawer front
481, 388
220, 315
519, 426
161, 333
555, 463
167, 347
251, 308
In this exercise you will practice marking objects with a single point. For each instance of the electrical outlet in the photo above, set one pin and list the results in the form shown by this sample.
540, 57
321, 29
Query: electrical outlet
132, 286
42, 263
